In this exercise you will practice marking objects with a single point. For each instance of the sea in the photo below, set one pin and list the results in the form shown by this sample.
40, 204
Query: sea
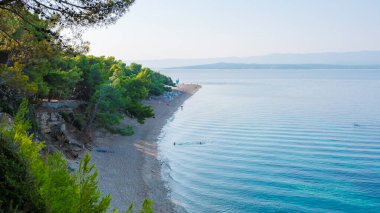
275, 141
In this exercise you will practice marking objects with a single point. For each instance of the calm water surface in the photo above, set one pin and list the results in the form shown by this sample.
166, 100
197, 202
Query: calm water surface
276, 140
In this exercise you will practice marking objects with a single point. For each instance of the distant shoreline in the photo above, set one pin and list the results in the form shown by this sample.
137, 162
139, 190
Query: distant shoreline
330, 58
131, 171
277, 66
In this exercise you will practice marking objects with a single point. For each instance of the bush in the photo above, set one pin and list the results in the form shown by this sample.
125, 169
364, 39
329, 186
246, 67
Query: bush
19, 191
30, 182
57, 188
126, 131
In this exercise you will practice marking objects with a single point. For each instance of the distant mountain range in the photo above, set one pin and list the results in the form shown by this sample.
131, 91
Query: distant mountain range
360, 58
276, 66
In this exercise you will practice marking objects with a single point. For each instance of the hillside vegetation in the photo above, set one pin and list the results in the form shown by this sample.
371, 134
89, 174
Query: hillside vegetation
38, 63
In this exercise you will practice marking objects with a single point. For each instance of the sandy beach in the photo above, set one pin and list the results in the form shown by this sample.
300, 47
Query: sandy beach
130, 170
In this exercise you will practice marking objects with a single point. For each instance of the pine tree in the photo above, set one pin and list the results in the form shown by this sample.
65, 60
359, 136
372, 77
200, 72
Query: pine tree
89, 193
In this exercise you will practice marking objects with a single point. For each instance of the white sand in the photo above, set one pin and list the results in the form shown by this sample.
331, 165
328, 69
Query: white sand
132, 171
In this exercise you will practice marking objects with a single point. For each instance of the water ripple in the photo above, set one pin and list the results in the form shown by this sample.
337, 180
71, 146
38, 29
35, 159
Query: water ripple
290, 146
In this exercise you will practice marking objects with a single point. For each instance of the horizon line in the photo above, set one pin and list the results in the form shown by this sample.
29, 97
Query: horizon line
263, 55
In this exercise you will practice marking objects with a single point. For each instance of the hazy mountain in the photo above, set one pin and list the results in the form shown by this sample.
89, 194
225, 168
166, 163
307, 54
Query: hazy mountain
336, 58
277, 66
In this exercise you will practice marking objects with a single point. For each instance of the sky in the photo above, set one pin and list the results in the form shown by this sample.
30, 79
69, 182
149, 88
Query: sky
170, 29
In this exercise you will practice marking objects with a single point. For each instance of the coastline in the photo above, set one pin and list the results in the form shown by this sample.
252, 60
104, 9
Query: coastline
131, 171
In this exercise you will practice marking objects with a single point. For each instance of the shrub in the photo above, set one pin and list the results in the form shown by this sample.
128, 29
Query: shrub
29, 181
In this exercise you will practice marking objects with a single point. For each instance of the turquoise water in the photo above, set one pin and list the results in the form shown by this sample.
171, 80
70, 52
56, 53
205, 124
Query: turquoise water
276, 140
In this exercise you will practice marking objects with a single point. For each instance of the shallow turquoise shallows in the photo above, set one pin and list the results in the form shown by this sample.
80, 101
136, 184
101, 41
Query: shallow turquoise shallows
275, 140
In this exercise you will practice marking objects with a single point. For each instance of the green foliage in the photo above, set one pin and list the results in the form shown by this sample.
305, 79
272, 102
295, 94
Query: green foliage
130, 209
139, 111
24, 55
15, 77
135, 68
33, 67
18, 188
89, 193
147, 206
61, 83
57, 188
111, 88
106, 105
29, 181
117, 89
70, 12
158, 83
126, 131
36, 63
55, 185
95, 73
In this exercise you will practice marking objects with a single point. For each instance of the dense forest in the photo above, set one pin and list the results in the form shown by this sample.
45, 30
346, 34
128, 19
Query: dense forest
38, 64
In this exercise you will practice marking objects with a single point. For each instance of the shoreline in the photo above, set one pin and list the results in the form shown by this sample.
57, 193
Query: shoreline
131, 171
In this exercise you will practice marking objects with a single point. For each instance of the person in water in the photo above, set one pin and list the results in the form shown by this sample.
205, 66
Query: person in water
174, 143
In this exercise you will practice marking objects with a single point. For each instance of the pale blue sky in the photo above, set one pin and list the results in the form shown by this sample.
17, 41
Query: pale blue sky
161, 29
